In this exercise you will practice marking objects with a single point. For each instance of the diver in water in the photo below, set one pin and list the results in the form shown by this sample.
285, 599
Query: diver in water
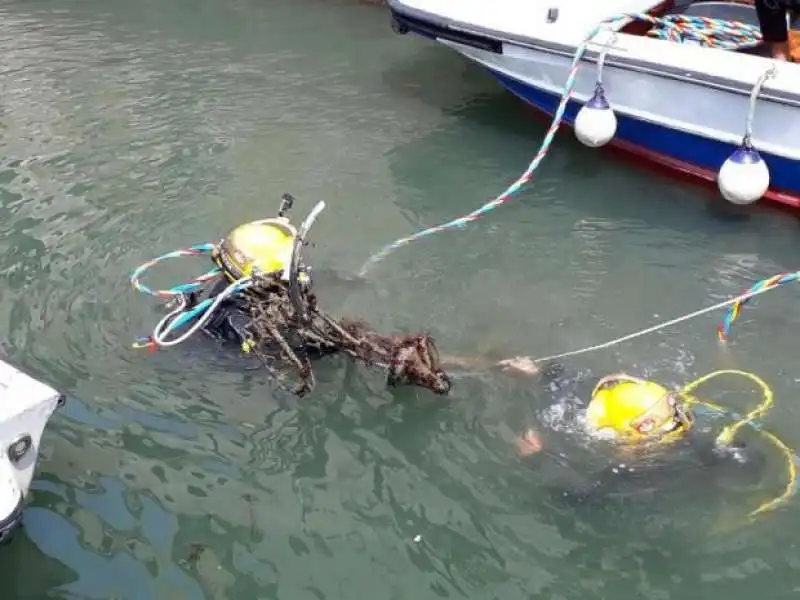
651, 428
262, 246
261, 299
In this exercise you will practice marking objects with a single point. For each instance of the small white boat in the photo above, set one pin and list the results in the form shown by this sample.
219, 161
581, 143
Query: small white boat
26, 406
682, 104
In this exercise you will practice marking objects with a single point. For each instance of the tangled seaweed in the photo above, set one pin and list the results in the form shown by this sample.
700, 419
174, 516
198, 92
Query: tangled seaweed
287, 328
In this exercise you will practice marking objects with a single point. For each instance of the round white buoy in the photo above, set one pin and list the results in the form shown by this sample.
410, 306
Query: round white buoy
596, 123
744, 177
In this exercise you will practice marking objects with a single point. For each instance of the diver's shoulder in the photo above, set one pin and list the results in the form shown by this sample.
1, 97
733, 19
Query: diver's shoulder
712, 451
217, 287
738, 452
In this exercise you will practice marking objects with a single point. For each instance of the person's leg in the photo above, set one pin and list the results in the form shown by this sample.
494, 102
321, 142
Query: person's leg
774, 31
794, 33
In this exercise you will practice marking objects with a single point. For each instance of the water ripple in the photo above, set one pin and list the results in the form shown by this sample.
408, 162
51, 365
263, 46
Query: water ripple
130, 129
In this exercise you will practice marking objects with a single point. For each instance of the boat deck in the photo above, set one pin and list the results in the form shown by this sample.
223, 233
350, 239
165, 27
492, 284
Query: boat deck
729, 11
517, 26
530, 19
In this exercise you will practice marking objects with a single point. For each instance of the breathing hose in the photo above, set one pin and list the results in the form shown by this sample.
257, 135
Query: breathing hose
727, 434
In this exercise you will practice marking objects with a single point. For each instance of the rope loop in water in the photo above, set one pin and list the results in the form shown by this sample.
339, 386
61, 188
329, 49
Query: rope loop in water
181, 314
178, 290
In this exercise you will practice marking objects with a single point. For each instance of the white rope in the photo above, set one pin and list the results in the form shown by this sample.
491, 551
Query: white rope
751, 107
663, 325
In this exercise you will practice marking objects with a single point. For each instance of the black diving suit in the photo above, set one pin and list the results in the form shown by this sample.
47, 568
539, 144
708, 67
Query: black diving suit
230, 320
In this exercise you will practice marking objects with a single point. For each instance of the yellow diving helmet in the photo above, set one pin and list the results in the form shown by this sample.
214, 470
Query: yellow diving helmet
632, 407
264, 246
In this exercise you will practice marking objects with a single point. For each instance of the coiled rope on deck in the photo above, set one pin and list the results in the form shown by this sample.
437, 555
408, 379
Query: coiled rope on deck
705, 31
716, 33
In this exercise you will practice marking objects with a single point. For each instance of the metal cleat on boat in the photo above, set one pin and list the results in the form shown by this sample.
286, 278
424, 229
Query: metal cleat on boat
26, 406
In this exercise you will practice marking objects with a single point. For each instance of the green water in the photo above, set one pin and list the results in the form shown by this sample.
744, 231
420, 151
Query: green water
132, 128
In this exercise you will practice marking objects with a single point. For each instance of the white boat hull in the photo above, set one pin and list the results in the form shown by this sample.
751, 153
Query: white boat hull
26, 406
690, 124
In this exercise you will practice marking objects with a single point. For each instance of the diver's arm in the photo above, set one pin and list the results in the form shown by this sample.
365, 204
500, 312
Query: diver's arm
216, 288
477, 363
520, 365
529, 443
228, 323
549, 372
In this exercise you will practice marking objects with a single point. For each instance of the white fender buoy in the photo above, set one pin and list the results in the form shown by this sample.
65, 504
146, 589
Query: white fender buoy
596, 123
744, 177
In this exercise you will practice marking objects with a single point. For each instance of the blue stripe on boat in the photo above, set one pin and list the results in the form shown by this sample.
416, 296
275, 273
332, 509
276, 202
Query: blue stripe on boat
695, 150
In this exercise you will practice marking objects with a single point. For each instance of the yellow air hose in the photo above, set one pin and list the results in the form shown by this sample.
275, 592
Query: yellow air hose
727, 434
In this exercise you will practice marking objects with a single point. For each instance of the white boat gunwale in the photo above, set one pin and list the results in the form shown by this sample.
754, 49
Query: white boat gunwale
613, 58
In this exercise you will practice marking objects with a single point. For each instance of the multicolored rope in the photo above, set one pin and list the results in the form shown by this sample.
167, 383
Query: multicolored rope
712, 33
171, 322
197, 282
182, 312
735, 310
508, 194
177, 292
679, 28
